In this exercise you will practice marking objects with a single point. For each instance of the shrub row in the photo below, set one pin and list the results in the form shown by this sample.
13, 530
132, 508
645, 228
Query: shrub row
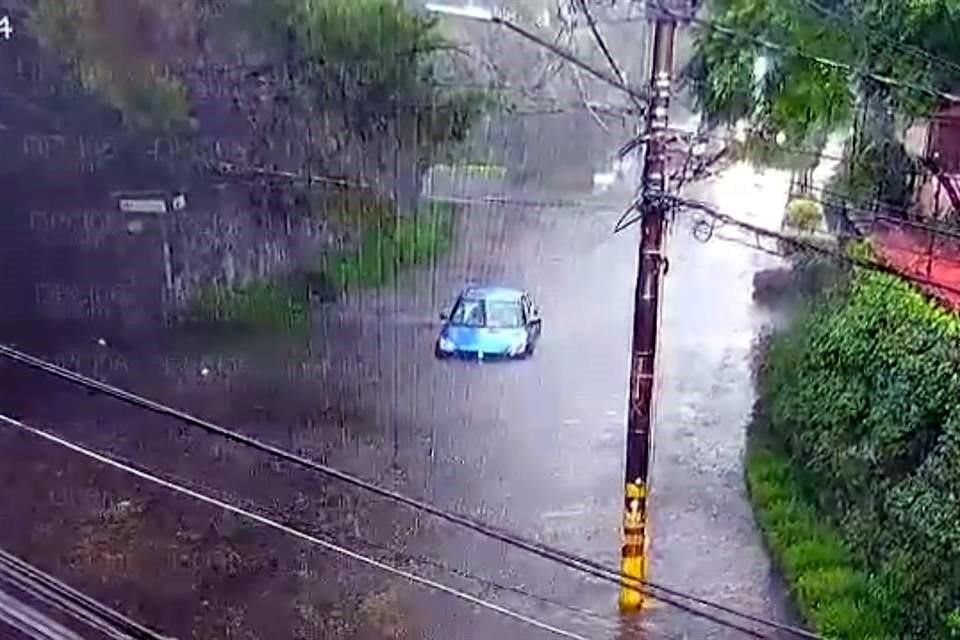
831, 589
860, 400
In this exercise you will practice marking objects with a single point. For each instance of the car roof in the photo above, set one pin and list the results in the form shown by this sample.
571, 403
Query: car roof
501, 294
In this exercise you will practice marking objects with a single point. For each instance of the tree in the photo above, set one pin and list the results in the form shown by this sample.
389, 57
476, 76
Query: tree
914, 41
114, 48
314, 83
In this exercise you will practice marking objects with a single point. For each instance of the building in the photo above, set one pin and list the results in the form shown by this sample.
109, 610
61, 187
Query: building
936, 143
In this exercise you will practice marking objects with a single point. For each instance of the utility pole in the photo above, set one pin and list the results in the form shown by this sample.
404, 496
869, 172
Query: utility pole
646, 314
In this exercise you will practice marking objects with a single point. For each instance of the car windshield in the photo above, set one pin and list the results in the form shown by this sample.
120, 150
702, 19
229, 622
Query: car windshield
486, 313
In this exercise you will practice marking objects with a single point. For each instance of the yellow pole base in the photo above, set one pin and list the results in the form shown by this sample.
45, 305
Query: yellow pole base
633, 558
631, 599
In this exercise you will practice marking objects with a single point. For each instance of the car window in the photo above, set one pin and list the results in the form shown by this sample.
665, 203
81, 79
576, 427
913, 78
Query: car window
502, 315
468, 313
493, 314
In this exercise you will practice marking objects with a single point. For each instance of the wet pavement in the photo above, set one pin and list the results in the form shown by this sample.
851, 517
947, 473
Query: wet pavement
534, 446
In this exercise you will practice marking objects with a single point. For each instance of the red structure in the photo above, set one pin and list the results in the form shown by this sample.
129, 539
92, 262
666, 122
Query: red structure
922, 251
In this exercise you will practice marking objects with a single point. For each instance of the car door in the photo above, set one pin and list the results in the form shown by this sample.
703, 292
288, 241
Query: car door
532, 317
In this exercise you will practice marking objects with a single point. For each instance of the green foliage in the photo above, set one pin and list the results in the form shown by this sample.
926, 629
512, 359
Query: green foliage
804, 215
803, 98
109, 64
877, 170
259, 305
799, 97
368, 63
830, 587
368, 47
389, 244
373, 61
860, 393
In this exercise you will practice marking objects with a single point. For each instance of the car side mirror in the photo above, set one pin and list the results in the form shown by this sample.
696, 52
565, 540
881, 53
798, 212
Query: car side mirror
444, 315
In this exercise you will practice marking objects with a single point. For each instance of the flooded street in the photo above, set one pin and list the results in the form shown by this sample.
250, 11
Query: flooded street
535, 446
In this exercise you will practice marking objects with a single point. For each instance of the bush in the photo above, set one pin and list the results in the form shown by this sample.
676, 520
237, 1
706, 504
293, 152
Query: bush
388, 244
860, 395
260, 305
804, 215
830, 589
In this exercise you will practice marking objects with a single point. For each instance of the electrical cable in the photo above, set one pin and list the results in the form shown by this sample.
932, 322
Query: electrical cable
598, 37
256, 517
636, 94
793, 150
870, 265
404, 557
61, 596
915, 51
584, 565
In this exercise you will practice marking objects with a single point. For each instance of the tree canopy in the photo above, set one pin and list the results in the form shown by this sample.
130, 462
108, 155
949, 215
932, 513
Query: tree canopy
916, 42
115, 48
368, 62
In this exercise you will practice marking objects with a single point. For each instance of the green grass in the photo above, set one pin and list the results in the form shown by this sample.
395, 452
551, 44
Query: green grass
828, 585
260, 305
389, 245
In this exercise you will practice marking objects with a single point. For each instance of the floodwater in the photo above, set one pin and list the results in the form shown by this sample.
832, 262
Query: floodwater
536, 447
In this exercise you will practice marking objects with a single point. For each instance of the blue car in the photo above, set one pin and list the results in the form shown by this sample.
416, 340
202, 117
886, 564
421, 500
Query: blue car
490, 322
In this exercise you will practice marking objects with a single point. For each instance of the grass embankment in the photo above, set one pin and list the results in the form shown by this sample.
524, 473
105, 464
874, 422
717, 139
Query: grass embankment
853, 462
266, 305
829, 586
385, 245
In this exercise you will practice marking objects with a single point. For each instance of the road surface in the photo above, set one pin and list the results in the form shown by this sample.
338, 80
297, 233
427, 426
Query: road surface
534, 446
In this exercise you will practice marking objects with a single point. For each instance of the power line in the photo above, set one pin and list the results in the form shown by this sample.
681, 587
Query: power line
79, 606
827, 62
639, 96
402, 556
793, 150
570, 560
803, 245
250, 515
28, 621
917, 52
598, 37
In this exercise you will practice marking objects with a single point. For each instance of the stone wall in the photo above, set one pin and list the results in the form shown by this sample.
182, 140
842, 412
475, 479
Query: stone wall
83, 262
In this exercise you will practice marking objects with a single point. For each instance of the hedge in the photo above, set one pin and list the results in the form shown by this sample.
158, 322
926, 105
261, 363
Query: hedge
831, 588
858, 486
